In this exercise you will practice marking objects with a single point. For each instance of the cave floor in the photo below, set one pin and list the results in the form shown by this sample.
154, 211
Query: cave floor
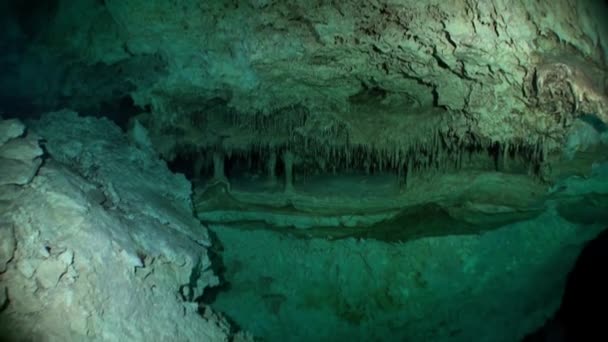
282, 288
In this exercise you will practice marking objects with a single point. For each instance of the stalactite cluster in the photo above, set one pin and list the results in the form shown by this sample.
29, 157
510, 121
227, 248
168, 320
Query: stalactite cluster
291, 139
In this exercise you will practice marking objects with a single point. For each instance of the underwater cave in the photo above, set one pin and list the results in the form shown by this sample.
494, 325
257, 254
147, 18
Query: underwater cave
263, 170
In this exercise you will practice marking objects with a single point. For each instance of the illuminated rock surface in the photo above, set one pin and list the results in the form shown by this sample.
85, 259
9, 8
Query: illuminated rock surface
99, 249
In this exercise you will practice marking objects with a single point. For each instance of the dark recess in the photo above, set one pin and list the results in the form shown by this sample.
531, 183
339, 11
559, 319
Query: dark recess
582, 313
120, 111
33, 16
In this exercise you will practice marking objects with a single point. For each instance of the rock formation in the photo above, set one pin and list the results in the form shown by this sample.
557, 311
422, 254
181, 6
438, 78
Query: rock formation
79, 252
405, 86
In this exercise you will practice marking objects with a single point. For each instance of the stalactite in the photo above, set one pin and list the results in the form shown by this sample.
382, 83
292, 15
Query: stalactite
410, 170
432, 153
505, 157
199, 163
288, 159
219, 173
495, 155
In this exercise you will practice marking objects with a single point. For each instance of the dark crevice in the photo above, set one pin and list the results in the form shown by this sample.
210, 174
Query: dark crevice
184, 163
240, 165
580, 316
119, 111
7, 301
435, 97
219, 269
373, 94
594, 121
441, 63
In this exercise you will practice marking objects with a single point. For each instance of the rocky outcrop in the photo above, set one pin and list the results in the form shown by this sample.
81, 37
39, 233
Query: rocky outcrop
100, 244
19, 154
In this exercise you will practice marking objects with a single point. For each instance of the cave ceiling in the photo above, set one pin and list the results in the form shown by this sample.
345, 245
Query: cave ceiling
405, 82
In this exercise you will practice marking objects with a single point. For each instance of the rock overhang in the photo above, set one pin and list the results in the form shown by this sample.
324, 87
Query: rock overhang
391, 86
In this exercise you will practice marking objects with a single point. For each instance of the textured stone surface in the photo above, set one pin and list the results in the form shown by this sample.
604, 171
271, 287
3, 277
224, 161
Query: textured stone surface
19, 156
21, 149
7, 246
104, 152
430, 289
10, 129
123, 268
382, 74
18, 172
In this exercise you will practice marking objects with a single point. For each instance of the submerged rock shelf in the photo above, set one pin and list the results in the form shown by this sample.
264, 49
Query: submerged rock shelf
352, 204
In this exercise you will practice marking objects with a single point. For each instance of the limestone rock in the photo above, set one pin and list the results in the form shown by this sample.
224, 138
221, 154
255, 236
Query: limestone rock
52, 269
18, 172
10, 129
140, 136
114, 269
21, 149
26, 267
9, 192
144, 180
399, 70
581, 136
8, 244
20, 157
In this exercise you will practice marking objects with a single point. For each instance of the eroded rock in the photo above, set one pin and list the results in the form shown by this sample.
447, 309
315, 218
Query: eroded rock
382, 76
10, 129
18, 172
21, 149
8, 244
86, 270
20, 157
53, 268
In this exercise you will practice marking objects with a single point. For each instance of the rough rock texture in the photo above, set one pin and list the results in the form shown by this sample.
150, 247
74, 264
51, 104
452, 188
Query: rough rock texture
10, 129
19, 156
380, 74
492, 287
101, 244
